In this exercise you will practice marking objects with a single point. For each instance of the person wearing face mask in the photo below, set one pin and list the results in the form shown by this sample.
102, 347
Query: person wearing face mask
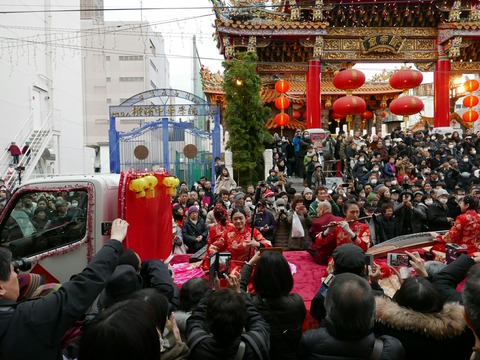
439, 217
360, 169
474, 157
372, 177
421, 212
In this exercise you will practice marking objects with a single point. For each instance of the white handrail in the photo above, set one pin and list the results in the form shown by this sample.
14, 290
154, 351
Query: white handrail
20, 137
39, 140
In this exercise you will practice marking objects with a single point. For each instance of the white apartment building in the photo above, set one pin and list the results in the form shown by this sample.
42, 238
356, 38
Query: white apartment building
119, 60
41, 95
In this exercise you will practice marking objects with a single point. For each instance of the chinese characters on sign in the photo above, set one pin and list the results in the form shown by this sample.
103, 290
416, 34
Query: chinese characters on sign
389, 43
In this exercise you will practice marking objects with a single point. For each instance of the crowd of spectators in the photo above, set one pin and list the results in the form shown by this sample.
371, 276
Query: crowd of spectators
397, 185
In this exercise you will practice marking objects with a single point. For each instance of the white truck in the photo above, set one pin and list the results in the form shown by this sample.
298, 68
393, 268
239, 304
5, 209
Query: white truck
60, 222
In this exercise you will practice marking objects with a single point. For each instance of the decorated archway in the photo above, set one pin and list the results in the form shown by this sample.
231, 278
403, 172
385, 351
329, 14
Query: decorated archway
181, 147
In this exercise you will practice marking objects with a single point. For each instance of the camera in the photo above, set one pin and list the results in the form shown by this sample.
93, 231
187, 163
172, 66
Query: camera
22, 265
453, 251
263, 184
283, 211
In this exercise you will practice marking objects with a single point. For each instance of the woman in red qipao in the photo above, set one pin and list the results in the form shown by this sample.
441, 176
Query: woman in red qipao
235, 239
466, 229
348, 231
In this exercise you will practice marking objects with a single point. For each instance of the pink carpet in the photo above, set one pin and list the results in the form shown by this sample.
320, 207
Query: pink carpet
307, 278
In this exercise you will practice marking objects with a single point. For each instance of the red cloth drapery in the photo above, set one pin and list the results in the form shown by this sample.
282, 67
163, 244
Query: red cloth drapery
149, 218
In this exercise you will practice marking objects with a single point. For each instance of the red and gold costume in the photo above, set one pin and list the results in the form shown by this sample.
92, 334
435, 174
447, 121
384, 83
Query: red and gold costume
229, 239
360, 229
465, 231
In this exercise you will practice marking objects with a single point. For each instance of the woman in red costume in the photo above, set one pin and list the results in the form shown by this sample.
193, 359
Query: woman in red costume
348, 231
466, 229
236, 239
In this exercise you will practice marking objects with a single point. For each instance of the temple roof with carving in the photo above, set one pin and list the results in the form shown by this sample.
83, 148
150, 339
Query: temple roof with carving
455, 23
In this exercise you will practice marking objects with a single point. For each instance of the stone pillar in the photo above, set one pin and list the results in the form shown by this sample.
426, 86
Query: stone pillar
378, 120
268, 161
441, 94
357, 123
229, 162
325, 119
313, 94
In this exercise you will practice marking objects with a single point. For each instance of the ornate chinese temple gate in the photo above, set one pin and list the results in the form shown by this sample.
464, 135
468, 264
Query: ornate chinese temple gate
307, 41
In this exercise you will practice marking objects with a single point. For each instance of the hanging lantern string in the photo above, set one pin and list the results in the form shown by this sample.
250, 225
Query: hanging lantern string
470, 101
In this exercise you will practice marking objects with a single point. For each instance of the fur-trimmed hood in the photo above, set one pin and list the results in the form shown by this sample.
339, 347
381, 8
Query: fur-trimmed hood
448, 323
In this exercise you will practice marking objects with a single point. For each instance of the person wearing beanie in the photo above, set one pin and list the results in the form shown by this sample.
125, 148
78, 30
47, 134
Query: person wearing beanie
194, 231
308, 197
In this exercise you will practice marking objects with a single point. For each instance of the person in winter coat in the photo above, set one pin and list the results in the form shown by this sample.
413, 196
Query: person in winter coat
348, 331
224, 181
32, 329
300, 210
284, 311
194, 231
215, 328
439, 217
386, 223
15, 152
427, 327
282, 227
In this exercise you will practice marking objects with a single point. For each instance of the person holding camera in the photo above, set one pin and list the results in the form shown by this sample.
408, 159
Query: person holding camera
264, 221
32, 329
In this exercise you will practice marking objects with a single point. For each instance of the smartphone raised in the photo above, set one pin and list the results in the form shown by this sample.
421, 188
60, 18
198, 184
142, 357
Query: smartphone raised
394, 259
220, 264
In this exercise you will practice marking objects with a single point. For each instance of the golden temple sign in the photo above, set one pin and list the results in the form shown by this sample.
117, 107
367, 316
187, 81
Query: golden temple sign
382, 43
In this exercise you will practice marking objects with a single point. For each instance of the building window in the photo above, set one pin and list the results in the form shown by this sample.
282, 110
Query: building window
131, 79
122, 100
107, 58
109, 79
152, 48
153, 66
152, 84
109, 101
131, 58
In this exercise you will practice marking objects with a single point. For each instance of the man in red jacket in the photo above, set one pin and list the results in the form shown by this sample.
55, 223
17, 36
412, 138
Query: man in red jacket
321, 254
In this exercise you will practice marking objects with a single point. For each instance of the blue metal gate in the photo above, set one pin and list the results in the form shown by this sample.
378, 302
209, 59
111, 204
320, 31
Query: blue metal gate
162, 143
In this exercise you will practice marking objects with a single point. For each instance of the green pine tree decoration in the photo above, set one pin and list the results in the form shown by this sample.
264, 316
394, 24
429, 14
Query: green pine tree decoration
245, 117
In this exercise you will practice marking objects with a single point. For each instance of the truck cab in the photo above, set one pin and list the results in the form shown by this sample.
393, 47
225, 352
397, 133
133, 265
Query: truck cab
59, 223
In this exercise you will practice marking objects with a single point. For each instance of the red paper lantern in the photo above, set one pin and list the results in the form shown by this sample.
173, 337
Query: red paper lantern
367, 114
470, 116
282, 119
406, 105
384, 114
471, 85
470, 101
349, 79
406, 79
282, 103
349, 105
337, 116
296, 114
282, 86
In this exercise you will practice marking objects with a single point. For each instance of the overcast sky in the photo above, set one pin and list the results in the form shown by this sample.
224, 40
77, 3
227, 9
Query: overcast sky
178, 21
